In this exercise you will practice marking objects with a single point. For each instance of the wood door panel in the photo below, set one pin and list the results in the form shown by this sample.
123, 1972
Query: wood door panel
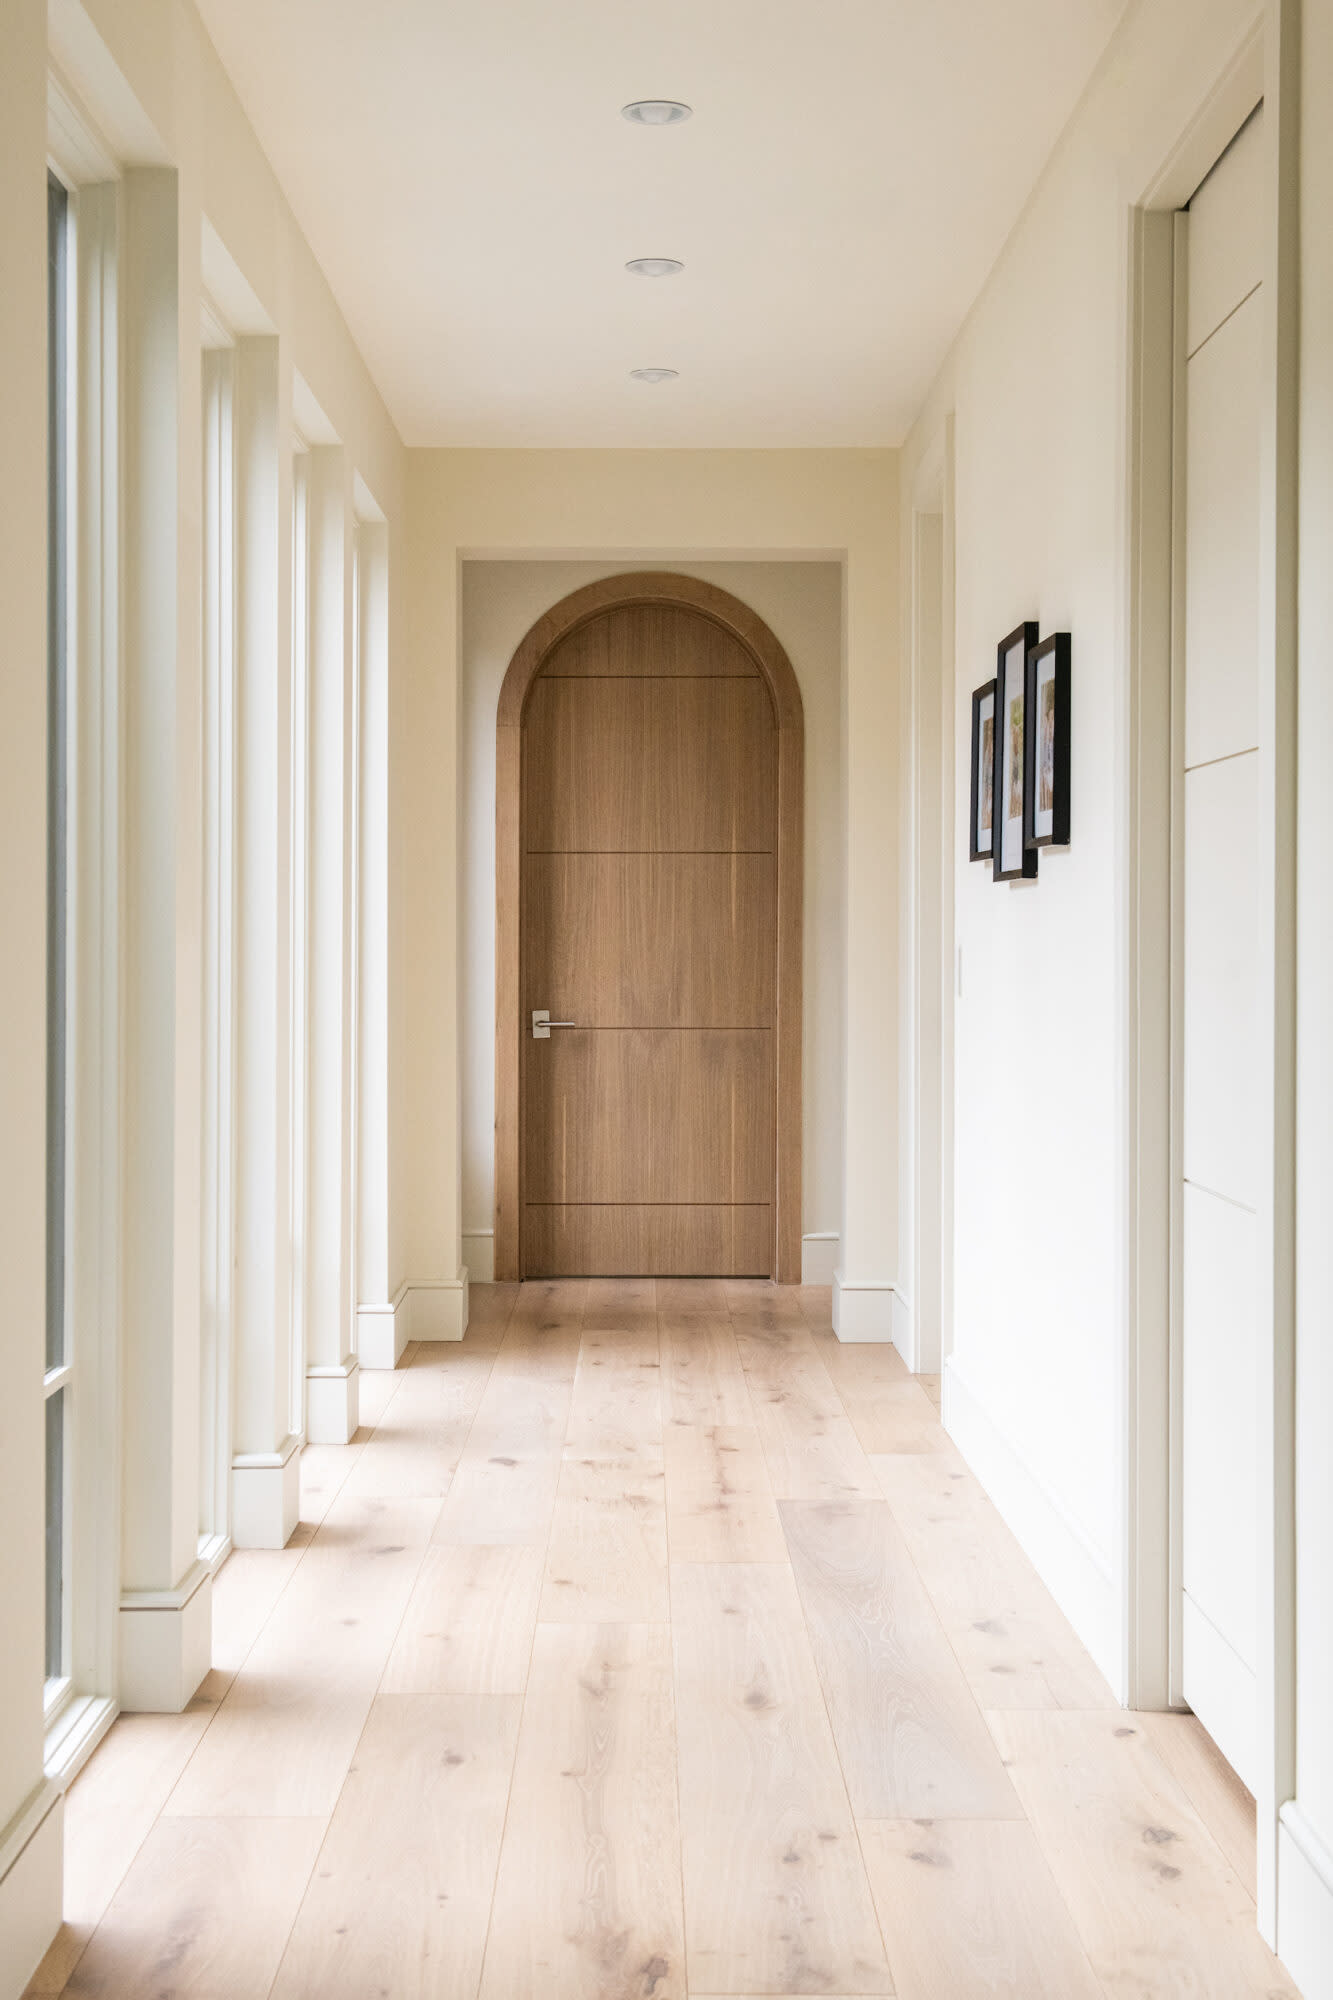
651, 940
680, 1239
650, 1115
649, 765
636, 640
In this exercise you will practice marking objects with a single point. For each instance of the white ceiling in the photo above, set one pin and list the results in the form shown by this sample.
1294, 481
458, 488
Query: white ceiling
466, 180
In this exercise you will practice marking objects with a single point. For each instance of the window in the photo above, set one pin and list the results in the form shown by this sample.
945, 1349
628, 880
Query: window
59, 1371
219, 662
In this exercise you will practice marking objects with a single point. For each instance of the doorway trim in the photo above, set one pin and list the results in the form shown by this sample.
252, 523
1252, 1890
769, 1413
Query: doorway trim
1264, 68
555, 625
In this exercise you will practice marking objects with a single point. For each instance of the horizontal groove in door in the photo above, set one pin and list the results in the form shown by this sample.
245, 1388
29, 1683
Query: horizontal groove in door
685, 1240
652, 765
650, 1115
650, 641
652, 941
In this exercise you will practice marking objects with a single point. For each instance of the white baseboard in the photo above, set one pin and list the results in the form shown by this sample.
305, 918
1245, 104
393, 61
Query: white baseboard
265, 1496
819, 1256
381, 1332
31, 1885
868, 1309
438, 1311
332, 1399
1304, 1904
166, 1643
1078, 1576
479, 1256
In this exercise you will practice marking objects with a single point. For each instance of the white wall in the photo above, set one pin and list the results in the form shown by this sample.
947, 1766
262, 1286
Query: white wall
1306, 1857
1036, 384
29, 1848
1037, 388
770, 512
802, 605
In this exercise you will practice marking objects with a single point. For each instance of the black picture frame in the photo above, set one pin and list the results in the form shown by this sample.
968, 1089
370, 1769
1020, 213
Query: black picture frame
983, 770
1011, 756
1046, 707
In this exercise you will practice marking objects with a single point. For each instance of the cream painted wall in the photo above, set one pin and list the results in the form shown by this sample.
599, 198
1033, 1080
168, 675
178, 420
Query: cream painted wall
627, 509
29, 1869
1036, 384
1309, 1825
1037, 389
802, 604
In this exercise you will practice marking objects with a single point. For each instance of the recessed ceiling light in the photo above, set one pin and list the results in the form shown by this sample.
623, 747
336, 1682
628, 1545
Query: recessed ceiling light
655, 111
654, 267
654, 374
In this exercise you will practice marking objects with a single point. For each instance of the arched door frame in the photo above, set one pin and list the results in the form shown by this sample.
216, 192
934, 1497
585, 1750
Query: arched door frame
648, 587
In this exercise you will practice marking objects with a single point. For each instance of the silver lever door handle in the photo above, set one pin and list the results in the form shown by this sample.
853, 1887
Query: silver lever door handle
542, 1024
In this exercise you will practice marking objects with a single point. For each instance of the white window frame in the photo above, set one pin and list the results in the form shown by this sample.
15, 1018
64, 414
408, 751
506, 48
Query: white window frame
298, 1065
81, 1704
218, 614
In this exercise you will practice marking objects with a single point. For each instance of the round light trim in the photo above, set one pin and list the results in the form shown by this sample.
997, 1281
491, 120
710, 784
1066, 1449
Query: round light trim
656, 111
654, 267
654, 374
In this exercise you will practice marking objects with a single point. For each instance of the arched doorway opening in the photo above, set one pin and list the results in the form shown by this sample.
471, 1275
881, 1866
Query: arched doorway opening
649, 821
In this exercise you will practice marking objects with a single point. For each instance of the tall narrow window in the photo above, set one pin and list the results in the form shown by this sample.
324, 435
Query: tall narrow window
58, 1371
219, 657
300, 770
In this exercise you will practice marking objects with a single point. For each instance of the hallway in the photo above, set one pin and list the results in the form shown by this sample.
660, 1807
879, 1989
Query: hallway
650, 1642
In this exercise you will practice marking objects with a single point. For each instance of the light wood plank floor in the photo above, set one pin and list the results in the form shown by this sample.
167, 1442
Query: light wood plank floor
649, 1645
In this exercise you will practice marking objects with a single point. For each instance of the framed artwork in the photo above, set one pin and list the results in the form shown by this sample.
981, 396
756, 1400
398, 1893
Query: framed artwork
1010, 859
1046, 790
983, 771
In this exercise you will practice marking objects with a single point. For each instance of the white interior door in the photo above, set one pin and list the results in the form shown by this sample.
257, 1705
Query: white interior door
1220, 1358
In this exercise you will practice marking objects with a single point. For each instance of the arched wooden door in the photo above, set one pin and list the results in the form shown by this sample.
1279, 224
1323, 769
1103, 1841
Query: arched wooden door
649, 809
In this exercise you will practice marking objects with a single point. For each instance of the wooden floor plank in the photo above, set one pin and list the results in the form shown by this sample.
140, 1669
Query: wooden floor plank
469, 1622
703, 1381
505, 1485
420, 1438
616, 1405
1159, 1911
280, 1744
110, 1810
969, 1911
587, 1902
813, 1453
1211, 1786
911, 1737
172, 1926
401, 1898
245, 1590
720, 1506
607, 1558
1014, 1646
776, 1897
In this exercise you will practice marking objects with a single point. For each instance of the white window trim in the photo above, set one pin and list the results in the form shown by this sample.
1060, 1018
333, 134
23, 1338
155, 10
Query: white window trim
81, 1705
218, 611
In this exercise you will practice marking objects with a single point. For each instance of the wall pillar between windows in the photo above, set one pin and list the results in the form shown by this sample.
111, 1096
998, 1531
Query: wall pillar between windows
267, 1426
165, 1604
331, 1364
380, 1330
30, 1811
869, 1300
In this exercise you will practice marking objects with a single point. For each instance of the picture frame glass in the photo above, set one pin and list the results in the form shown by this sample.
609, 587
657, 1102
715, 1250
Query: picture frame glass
983, 833
1009, 763
1044, 722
